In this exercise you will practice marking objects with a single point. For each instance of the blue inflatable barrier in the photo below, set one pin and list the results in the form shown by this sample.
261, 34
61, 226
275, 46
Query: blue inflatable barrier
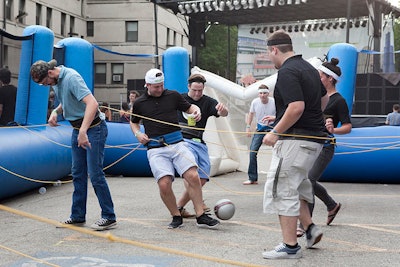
176, 69
366, 155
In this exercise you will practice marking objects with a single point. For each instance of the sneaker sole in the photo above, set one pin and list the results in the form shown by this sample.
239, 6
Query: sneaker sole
287, 256
65, 225
208, 226
102, 228
170, 227
317, 239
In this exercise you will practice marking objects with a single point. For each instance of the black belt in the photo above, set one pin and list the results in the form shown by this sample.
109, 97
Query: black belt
78, 123
306, 135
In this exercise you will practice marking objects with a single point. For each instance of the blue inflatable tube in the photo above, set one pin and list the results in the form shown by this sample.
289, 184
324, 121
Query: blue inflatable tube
31, 103
366, 155
176, 69
33, 154
348, 57
124, 155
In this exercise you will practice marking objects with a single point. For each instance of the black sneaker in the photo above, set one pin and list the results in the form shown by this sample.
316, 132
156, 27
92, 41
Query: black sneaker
177, 222
205, 221
70, 221
103, 224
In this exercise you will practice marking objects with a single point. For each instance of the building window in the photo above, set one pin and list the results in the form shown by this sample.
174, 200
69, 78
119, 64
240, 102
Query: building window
117, 75
63, 19
9, 6
48, 17
38, 14
90, 28
131, 31
72, 27
100, 73
21, 11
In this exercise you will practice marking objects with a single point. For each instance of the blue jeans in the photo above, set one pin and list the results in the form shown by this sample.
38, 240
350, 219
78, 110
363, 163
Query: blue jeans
89, 162
256, 143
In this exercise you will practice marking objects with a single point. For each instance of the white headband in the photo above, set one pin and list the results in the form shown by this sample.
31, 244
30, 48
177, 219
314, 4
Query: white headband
263, 90
329, 72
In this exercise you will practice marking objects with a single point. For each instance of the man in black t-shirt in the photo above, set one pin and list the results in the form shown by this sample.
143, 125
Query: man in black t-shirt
8, 95
166, 150
194, 136
297, 139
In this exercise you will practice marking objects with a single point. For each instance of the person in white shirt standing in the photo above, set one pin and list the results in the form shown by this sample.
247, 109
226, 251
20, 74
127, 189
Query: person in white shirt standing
263, 109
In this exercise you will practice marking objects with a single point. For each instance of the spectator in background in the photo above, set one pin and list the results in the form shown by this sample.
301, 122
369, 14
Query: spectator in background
50, 103
133, 95
8, 95
105, 109
124, 113
393, 118
263, 109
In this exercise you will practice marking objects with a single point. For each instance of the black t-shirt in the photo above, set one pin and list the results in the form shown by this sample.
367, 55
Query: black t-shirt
298, 80
337, 109
207, 106
8, 95
163, 109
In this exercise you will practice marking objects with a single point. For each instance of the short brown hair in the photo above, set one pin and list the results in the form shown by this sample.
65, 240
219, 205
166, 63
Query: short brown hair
197, 78
281, 35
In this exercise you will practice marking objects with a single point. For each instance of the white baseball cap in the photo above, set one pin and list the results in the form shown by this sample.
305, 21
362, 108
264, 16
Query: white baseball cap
154, 76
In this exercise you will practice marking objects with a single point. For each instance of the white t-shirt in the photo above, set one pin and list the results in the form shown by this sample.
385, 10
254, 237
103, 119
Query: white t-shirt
261, 110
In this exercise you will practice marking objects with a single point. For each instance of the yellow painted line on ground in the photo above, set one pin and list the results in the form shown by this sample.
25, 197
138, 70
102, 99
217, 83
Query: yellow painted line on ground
113, 238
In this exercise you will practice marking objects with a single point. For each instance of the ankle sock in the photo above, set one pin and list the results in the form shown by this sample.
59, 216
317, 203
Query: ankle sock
292, 247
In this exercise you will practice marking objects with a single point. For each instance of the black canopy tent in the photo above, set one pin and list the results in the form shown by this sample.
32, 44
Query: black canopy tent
202, 12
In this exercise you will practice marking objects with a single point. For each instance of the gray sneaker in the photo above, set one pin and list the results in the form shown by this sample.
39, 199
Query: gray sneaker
313, 235
104, 224
281, 251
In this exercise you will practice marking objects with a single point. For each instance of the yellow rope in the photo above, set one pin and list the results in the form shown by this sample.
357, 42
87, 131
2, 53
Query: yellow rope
114, 238
29, 257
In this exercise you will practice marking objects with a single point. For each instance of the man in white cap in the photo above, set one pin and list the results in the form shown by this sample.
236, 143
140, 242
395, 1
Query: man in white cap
263, 109
167, 151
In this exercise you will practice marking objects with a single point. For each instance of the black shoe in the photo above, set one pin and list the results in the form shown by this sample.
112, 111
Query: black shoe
103, 224
70, 221
177, 222
205, 221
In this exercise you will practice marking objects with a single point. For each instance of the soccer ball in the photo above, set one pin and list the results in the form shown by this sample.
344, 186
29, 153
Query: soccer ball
224, 209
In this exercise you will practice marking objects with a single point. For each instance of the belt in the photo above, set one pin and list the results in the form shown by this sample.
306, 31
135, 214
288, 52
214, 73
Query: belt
164, 140
76, 124
305, 135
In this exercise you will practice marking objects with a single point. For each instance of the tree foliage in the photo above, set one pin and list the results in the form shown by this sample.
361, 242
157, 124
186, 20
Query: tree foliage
214, 56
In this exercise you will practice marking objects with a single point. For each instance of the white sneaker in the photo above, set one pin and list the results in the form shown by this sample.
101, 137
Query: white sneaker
283, 252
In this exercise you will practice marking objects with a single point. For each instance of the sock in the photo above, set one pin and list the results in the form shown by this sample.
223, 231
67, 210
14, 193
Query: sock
292, 247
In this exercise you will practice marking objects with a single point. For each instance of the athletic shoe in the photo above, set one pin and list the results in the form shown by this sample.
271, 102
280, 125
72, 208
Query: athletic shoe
313, 235
205, 221
249, 182
103, 224
177, 222
70, 221
281, 251
186, 214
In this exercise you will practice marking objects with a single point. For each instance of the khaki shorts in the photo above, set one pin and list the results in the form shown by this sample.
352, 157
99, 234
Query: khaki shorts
165, 160
292, 160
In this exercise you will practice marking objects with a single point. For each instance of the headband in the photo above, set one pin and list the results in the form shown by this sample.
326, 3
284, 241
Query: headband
329, 72
287, 41
263, 90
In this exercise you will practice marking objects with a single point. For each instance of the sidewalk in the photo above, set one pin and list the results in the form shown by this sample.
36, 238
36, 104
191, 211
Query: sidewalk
366, 232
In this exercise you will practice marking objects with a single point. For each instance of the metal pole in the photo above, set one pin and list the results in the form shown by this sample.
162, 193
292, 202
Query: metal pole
157, 63
1, 37
228, 62
348, 20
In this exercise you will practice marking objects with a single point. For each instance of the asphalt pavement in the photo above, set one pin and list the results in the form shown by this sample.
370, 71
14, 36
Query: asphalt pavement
365, 232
